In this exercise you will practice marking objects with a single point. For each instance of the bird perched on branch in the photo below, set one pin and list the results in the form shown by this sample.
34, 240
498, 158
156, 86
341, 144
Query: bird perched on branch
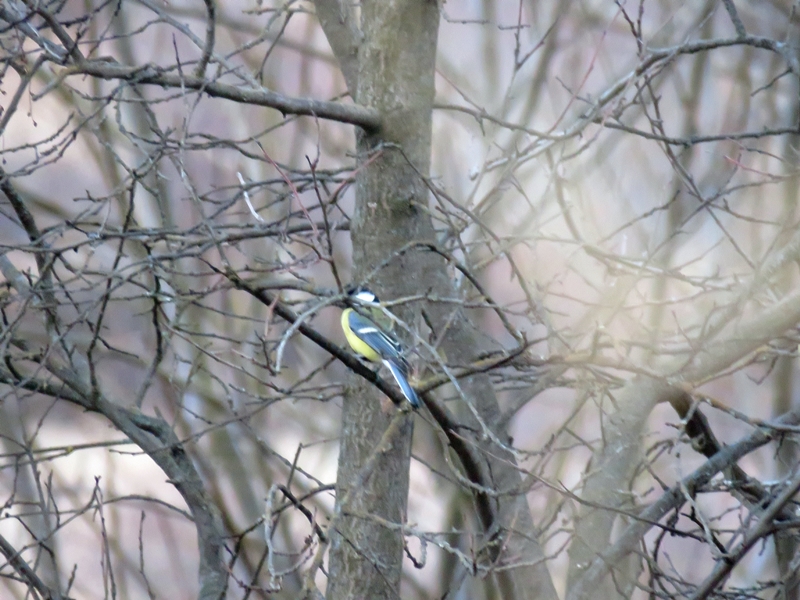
374, 342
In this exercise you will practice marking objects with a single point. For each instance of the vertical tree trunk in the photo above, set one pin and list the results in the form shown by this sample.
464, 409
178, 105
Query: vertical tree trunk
396, 76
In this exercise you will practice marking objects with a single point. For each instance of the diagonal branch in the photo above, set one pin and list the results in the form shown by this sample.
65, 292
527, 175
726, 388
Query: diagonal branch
338, 21
630, 539
616, 461
153, 435
26, 572
480, 480
353, 114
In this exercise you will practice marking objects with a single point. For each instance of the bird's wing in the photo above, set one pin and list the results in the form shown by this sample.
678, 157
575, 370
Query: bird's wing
387, 346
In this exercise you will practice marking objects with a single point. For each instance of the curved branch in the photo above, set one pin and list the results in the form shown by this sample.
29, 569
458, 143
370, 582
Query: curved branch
630, 539
208, 48
636, 400
480, 480
153, 435
353, 114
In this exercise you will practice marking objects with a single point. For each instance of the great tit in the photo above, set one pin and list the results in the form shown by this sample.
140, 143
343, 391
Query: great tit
376, 343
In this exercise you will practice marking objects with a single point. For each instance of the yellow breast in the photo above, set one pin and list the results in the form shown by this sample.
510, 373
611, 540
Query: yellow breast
356, 343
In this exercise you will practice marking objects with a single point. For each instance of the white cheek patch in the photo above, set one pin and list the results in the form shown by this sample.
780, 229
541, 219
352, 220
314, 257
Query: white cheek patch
367, 297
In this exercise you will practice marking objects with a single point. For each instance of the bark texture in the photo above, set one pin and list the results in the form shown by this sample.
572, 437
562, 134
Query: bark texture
396, 74
396, 77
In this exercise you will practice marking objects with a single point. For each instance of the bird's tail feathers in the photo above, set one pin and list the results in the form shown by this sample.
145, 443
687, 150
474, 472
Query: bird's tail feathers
399, 375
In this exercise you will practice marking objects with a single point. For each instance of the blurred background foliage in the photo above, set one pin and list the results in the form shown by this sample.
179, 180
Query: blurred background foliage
620, 189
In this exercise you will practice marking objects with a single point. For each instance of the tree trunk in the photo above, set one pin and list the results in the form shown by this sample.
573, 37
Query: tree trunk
396, 76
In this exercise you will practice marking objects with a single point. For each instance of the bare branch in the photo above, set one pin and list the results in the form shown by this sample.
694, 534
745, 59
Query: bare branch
27, 573
338, 21
150, 75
